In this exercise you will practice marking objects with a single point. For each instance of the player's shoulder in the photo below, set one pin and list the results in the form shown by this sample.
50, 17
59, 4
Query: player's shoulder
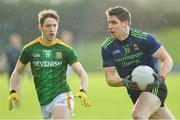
33, 42
138, 34
61, 43
107, 42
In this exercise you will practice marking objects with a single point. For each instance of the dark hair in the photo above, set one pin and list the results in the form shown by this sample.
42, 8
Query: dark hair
47, 13
120, 12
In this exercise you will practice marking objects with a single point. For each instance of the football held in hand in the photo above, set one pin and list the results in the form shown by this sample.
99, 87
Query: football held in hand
143, 75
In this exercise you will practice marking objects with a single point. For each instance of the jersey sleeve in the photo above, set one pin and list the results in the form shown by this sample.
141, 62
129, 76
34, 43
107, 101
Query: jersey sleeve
24, 56
108, 60
71, 56
152, 45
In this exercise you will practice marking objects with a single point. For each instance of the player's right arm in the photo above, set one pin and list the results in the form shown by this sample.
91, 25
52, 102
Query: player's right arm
14, 80
114, 81
16, 74
111, 79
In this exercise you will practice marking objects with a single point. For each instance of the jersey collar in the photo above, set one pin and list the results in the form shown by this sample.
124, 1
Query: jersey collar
50, 43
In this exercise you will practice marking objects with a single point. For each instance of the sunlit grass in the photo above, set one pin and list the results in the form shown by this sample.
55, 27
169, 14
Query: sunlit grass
107, 102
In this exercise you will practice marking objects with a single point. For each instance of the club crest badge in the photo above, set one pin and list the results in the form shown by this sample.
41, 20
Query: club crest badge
58, 55
136, 47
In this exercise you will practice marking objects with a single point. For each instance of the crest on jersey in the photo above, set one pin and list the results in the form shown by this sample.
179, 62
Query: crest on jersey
58, 55
136, 47
127, 49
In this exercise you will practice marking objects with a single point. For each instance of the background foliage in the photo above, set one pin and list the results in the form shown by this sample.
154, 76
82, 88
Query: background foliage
86, 20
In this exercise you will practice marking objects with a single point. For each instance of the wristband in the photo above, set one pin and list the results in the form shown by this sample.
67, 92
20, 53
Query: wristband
12, 91
81, 90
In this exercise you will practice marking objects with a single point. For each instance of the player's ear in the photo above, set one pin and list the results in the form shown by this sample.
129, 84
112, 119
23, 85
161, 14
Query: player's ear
40, 27
125, 23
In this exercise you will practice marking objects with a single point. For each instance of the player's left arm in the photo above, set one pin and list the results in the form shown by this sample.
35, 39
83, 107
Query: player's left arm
79, 70
82, 94
166, 61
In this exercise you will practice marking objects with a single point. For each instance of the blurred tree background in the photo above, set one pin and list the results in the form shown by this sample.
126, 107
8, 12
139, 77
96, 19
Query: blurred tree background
87, 21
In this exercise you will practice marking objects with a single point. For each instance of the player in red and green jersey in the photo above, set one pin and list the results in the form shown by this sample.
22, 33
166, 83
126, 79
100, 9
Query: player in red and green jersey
49, 57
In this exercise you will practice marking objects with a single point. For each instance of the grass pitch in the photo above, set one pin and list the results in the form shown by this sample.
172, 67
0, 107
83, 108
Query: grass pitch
107, 102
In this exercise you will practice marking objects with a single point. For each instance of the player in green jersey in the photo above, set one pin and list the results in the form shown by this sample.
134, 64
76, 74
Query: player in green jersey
49, 57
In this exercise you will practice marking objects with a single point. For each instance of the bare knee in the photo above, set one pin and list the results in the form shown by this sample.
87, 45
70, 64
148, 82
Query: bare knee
61, 112
139, 115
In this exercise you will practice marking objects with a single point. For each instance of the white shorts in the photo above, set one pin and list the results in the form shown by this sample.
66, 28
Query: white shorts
64, 99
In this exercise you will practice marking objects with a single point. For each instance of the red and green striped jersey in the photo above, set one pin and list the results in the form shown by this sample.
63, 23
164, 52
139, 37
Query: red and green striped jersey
48, 65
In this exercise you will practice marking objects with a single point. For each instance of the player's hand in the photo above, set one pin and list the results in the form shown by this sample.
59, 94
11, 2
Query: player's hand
83, 97
129, 83
158, 80
13, 99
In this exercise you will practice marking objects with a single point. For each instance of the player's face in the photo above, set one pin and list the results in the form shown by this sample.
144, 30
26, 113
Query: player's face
116, 27
49, 28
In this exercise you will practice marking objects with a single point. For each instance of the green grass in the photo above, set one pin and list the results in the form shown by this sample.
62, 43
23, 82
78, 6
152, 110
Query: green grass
170, 40
107, 102
89, 54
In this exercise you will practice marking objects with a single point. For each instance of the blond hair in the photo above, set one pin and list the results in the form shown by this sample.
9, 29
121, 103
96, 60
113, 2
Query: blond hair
46, 14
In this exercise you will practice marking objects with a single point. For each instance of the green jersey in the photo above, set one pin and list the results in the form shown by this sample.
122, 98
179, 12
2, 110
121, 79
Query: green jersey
48, 65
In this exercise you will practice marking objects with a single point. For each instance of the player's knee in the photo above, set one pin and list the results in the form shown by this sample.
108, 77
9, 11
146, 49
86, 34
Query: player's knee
139, 115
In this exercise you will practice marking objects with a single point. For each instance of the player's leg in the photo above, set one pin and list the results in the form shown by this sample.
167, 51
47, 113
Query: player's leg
60, 108
45, 112
146, 104
63, 106
163, 113
61, 112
